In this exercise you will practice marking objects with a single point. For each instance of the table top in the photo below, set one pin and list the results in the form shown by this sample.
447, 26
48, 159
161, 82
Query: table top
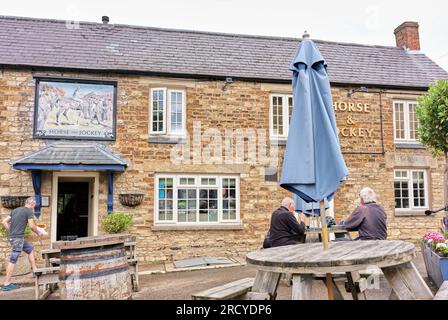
341, 256
96, 241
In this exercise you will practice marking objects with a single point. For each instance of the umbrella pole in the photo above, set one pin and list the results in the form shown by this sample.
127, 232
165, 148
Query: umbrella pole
326, 244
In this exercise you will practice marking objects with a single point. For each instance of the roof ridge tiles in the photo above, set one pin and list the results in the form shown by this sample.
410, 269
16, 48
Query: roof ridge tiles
212, 33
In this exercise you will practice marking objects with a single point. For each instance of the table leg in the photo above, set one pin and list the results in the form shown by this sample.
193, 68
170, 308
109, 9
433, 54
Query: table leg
337, 295
407, 282
352, 278
301, 286
266, 284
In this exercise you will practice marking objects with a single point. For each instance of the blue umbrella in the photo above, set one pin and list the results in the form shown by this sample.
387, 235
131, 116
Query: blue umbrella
313, 167
310, 208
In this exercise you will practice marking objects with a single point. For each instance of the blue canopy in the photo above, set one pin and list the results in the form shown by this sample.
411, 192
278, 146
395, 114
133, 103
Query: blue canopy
313, 166
310, 208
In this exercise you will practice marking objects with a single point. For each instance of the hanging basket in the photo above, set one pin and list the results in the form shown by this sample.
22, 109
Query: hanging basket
12, 202
131, 199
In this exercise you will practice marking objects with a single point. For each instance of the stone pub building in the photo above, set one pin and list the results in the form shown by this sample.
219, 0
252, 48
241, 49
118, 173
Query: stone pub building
196, 122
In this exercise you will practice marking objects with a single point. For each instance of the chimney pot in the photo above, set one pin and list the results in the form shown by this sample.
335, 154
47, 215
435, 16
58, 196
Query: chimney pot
407, 35
105, 19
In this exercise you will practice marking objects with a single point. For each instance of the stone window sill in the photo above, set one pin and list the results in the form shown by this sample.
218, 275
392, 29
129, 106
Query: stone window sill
165, 139
279, 141
409, 145
197, 227
409, 213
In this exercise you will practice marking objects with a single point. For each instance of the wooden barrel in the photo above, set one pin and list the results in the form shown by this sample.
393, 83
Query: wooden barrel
95, 273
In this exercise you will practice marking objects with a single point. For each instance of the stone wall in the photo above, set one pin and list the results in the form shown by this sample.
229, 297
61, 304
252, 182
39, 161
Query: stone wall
244, 105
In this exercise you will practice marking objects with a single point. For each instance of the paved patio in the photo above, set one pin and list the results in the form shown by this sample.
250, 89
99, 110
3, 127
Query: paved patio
180, 285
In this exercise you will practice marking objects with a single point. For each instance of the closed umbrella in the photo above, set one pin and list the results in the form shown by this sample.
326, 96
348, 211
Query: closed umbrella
313, 167
310, 208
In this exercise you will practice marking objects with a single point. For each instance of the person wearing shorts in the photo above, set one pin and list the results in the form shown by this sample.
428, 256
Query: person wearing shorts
16, 224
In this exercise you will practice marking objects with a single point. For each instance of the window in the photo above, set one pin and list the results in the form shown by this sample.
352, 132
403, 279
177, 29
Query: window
405, 121
186, 199
411, 191
280, 115
167, 111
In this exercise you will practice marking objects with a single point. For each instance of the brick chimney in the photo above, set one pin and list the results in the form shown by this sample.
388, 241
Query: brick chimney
407, 35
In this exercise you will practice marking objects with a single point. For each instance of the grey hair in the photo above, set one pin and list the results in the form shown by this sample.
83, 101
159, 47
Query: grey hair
368, 195
287, 202
30, 200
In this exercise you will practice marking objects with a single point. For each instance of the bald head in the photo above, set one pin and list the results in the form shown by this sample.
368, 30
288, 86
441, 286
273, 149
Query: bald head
289, 204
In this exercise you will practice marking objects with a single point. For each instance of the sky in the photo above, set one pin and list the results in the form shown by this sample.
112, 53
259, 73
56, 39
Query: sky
353, 21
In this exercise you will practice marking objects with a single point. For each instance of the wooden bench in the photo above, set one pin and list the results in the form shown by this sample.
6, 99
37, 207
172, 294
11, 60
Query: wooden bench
133, 271
48, 278
233, 290
442, 294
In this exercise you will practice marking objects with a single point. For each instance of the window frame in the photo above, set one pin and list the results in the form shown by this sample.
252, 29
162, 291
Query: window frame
197, 186
285, 115
167, 112
409, 179
407, 122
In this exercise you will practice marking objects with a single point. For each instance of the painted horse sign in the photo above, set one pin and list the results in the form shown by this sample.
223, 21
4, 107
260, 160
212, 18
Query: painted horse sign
75, 109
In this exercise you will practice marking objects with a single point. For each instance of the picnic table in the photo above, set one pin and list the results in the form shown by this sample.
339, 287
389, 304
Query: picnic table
52, 256
336, 229
303, 261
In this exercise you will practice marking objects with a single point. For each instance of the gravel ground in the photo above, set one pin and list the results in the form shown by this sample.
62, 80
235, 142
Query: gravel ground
180, 285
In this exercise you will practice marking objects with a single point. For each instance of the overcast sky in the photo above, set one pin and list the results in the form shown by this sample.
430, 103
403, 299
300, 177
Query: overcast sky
341, 20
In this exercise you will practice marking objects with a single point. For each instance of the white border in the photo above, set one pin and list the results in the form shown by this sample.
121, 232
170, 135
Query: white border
411, 189
165, 106
93, 203
407, 132
176, 178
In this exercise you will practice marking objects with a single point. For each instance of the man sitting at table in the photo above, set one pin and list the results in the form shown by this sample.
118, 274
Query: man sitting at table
285, 229
369, 219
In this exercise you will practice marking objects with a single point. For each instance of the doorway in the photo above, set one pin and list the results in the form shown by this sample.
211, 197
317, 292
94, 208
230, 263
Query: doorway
73, 209
74, 204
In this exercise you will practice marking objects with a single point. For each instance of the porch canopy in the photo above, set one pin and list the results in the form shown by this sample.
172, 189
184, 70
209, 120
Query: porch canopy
69, 157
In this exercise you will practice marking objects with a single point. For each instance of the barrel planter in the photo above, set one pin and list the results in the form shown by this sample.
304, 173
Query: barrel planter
436, 266
94, 268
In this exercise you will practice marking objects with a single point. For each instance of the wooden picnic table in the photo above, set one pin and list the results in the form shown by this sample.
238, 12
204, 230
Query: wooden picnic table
303, 261
53, 255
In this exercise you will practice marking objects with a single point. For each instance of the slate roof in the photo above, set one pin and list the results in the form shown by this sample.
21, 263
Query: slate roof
124, 48
72, 154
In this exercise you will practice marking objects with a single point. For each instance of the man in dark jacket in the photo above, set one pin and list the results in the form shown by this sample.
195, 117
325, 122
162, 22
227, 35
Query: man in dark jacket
369, 219
285, 229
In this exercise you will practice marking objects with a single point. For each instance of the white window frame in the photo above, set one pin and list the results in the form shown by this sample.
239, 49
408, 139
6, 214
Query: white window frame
411, 189
176, 186
285, 115
407, 120
184, 115
167, 112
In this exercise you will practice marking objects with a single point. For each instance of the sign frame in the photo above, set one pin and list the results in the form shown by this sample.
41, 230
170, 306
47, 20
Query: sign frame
113, 83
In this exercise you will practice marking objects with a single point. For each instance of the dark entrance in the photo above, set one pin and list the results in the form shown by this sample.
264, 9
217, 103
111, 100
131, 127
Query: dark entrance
73, 209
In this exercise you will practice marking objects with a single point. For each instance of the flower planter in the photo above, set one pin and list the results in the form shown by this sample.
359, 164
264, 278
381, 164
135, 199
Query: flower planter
131, 199
12, 202
436, 266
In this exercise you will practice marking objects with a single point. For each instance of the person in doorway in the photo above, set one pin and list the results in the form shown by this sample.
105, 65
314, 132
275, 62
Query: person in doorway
369, 218
285, 229
15, 224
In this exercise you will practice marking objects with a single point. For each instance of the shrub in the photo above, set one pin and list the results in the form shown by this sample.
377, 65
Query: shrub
117, 222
